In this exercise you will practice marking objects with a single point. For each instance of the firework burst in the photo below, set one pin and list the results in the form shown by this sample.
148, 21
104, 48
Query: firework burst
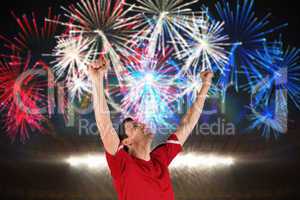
150, 92
271, 119
72, 56
23, 97
249, 35
190, 84
79, 86
280, 71
34, 37
106, 25
165, 22
281, 79
207, 48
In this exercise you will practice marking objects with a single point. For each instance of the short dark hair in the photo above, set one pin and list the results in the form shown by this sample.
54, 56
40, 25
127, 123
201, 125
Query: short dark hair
121, 131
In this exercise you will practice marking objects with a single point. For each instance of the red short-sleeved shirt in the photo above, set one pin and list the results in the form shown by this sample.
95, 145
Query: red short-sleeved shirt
136, 179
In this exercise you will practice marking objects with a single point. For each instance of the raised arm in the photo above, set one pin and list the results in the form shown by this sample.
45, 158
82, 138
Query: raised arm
190, 119
108, 134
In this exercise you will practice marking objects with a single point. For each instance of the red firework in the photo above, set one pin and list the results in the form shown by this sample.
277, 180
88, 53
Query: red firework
22, 97
36, 38
23, 76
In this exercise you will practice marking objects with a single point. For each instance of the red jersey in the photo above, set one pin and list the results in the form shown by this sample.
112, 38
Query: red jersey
136, 179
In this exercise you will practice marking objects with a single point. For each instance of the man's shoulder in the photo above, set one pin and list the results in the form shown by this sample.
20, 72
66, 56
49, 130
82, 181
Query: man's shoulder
158, 147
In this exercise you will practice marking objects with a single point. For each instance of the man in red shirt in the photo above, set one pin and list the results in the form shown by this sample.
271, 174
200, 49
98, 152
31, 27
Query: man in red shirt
138, 172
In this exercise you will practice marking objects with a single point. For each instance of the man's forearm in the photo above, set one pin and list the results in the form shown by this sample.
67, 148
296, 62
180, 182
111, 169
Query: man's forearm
107, 132
192, 116
101, 109
197, 107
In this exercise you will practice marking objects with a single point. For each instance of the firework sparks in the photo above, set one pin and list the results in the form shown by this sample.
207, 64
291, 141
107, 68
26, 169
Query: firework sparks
72, 56
150, 93
79, 86
190, 84
272, 92
22, 97
34, 38
281, 67
165, 20
107, 27
207, 47
248, 33
272, 118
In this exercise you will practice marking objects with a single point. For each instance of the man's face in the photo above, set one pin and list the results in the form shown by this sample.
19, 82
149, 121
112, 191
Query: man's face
138, 132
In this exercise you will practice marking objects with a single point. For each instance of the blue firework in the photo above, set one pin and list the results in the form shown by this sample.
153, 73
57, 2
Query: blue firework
281, 80
270, 120
150, 92
281, 73
249, 34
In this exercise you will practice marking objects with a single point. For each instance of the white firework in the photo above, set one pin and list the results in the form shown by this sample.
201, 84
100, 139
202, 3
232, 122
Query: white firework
207, 48
72, 55
165, 21
191, 84
106, 24
78, 86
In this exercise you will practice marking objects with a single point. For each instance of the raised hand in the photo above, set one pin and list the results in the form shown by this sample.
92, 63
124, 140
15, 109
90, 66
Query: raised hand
98, 68
206, 77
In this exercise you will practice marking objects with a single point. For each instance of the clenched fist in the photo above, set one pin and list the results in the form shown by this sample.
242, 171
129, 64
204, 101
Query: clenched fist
206, 77
98, 68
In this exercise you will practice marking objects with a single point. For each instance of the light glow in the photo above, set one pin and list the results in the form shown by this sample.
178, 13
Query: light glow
184, 161
90, 161
201, 161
